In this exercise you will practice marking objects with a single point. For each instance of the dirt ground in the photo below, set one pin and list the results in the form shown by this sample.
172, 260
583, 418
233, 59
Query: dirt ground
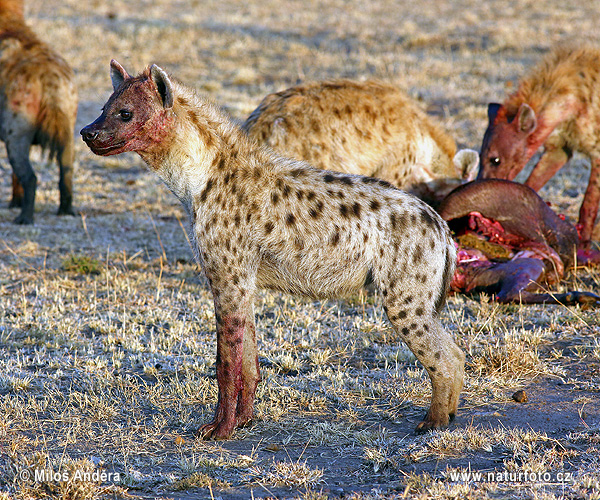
108, 333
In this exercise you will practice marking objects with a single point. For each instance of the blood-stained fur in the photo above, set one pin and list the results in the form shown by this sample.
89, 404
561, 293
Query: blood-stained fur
38, 105
557, 106
259, 220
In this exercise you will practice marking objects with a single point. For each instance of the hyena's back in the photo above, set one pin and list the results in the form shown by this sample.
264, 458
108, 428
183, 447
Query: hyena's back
369, 128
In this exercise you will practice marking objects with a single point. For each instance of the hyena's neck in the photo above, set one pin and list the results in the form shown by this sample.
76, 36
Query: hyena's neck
200, 146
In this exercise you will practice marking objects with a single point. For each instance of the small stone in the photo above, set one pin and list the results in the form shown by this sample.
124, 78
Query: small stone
520, 397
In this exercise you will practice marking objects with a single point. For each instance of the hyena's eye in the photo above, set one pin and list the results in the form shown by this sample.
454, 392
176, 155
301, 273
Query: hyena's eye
125, 115
495, 161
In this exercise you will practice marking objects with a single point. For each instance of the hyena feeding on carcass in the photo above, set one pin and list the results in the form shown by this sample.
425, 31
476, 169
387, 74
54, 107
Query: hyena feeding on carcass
368, 128
38, 105
556, 106
259, 220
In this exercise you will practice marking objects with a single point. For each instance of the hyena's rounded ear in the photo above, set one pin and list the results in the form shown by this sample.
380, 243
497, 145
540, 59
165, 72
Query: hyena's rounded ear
526, 119
117, 74
163, 84
466, 163
493, 108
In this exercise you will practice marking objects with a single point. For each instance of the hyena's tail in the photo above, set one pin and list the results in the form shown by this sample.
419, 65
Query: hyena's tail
58, 111
449, 268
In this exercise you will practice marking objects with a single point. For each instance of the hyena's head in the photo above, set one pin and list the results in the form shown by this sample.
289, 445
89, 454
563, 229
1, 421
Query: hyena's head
506, 144
138, 115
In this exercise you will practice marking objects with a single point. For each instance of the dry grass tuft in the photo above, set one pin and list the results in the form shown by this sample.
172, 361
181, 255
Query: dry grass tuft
199, 480
292, 475
81, 264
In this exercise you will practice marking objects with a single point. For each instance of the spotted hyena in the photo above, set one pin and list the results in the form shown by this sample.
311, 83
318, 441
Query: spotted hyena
259, 220
38, 105
369, 128
557, 106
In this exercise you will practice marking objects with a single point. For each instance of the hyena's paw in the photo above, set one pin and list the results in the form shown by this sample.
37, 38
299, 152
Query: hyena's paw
222, 427
244, 419
66, 211
23, 219
216, 430
430, 424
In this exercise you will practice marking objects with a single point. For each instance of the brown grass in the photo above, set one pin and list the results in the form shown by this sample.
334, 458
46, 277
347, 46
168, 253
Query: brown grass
108, 332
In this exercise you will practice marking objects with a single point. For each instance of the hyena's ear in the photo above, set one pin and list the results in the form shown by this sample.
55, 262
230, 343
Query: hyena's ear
466, 163
493, 108
526, 119
163, 84
117, 74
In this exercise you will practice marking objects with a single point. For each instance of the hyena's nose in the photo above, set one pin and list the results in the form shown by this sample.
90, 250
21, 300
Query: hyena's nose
88, 133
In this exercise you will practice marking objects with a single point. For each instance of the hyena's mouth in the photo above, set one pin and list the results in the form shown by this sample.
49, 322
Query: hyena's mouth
103, 150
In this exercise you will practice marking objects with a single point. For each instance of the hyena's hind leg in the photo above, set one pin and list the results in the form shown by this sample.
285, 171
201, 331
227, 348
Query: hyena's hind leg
17, 148
434, 348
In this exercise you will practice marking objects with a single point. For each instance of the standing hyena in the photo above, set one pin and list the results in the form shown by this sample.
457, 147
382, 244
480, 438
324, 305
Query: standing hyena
558, 106
38, 105
368, 128
261, 220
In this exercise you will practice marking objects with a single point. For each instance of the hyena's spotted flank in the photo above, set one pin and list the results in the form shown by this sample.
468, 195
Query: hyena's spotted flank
261, 220
368, 128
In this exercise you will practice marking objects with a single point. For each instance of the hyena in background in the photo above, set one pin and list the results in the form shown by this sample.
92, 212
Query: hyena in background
368, 128
38, 105
259, 220
558, 106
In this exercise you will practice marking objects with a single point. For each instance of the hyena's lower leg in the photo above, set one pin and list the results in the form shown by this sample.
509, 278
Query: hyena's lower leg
18, 156
435, 349
17, 193
250, 376
237, 365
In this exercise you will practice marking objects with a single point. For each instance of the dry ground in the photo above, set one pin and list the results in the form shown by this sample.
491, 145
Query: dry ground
108, 331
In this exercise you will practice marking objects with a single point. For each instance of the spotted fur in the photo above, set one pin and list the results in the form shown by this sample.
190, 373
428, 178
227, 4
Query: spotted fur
369, 128
259, 220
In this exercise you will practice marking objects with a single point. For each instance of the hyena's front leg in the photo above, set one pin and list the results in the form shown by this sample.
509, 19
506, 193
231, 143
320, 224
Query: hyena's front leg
589, 207
551, 162
17, 148
237, 363
250, 375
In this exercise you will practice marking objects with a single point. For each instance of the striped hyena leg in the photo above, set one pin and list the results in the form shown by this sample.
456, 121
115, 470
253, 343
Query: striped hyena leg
442, 358
237, 364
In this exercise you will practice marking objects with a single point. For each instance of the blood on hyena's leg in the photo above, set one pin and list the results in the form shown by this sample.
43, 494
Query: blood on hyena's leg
237, 365
250, 376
